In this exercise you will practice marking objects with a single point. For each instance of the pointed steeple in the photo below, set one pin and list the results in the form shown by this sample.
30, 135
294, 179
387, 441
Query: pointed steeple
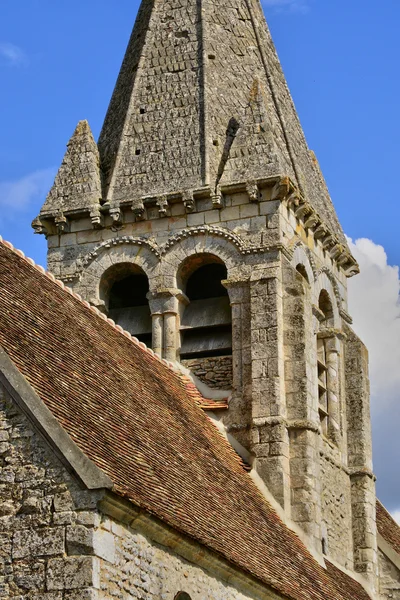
77, 186
200, 100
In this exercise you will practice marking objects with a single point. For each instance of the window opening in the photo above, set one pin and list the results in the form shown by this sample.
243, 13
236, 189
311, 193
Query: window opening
324, 382
128, 306
182, 596
206, 327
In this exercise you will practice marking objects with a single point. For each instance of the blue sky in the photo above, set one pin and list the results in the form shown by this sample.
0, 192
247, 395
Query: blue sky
58, 65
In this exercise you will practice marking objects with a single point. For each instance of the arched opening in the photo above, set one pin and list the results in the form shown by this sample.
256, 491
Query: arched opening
206, 325
124, 289
206, 321
326, 307
182, 596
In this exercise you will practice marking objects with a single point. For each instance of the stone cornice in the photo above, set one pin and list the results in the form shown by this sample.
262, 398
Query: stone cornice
283, 190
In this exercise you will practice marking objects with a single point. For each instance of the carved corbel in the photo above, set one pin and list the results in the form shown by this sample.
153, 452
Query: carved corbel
328, 241
188, 201
293, 200
281, 189
336, 251
162, 204
139, 210
320, 232
351, 269
343, 259
39, 227
116, 216
61, 223
303, 210
253, 191
96, 217
312, 220
217, 198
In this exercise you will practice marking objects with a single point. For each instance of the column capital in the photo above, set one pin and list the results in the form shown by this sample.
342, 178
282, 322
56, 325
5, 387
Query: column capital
166, 300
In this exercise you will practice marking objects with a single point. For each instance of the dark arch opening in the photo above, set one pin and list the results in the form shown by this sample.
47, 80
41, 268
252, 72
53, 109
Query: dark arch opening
125, 288
325, 306
182, 596
206, 326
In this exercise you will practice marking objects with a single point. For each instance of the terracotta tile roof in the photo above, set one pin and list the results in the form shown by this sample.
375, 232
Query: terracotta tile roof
387, 527
135, 418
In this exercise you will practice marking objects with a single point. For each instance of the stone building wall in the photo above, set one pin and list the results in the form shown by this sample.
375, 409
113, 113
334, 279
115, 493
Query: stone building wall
336, 511
56, 545
143, 569
215, 372
43, 513
389, 578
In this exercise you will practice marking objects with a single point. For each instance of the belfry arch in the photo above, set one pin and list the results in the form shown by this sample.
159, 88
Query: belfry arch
123, 289
206, 320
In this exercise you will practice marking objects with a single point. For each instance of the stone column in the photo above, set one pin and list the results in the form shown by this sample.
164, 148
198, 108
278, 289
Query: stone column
270, 440
301, 403
157, 333
332, 346
238, 419
165, 308
359, 445
170, 336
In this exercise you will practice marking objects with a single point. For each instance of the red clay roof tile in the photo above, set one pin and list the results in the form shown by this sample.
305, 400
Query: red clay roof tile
387, 527
135, 418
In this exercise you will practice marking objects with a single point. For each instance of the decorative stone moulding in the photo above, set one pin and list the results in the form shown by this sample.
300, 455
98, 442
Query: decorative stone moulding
286, 191
283, 189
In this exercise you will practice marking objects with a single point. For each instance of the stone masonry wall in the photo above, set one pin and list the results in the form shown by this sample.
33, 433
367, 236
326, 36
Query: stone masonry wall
44, 519
54, 544
215, 372
389, 578
142, 569
336, 511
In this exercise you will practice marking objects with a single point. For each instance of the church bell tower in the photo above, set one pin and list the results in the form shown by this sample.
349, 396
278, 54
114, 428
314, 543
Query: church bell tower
201, 223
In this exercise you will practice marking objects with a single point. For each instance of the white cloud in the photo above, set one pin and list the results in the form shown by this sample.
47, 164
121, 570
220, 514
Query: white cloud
375, 308
19, 195
396, 516
12, 55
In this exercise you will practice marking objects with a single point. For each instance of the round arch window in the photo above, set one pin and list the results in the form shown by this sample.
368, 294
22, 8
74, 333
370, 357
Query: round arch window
206, 325
182, 596
124, 288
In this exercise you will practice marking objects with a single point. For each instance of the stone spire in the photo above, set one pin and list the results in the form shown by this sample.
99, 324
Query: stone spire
201, 101
77, 186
